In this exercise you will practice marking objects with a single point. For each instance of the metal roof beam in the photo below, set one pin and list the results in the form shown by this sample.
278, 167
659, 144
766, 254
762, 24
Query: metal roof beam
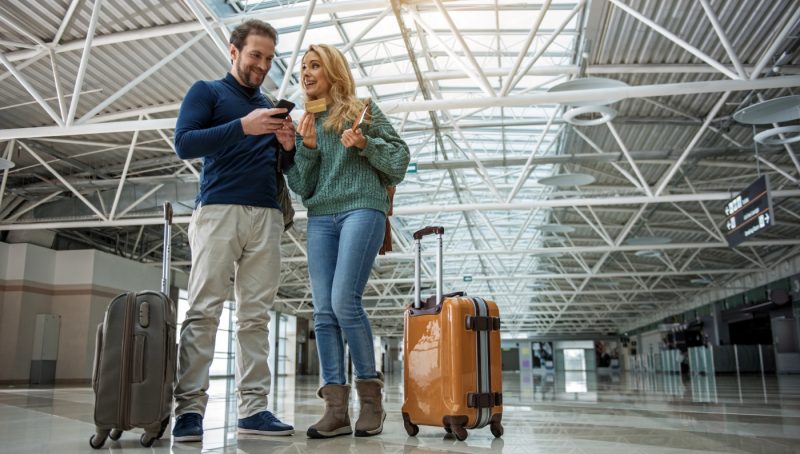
288, 12
563, 97
432, 208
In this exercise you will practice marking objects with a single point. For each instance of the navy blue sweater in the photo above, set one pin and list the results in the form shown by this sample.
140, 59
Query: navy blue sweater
237, 169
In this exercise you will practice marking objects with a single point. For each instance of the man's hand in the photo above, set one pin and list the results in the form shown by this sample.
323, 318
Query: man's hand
286, 134
308, 129
355, 138
260, 121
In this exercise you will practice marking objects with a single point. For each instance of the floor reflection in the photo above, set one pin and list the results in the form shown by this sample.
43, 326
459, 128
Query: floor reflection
542, 386
573, 411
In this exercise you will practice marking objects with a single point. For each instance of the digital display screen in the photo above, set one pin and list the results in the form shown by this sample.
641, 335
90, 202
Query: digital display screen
749, 213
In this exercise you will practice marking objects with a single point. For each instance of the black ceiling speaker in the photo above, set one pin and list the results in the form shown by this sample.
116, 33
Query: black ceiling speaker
779, 296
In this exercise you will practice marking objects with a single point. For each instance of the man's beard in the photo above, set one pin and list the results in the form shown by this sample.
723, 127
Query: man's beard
245, 73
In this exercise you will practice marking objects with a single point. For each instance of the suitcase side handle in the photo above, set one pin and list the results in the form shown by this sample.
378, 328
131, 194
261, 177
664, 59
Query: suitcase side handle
430, 230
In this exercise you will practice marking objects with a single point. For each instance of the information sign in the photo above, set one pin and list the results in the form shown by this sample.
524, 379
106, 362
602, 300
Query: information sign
749, 213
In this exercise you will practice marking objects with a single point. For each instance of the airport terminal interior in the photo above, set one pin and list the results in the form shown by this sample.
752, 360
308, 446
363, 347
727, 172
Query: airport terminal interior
622, 177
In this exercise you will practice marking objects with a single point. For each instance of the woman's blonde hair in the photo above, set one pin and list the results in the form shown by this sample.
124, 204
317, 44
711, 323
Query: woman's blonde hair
343, 106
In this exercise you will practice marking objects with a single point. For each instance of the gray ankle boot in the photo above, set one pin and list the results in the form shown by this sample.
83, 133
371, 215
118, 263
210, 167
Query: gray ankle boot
336, 419
371, 416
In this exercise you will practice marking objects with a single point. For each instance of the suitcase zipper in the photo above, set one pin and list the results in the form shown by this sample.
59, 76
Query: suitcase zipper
169, 341
124, 394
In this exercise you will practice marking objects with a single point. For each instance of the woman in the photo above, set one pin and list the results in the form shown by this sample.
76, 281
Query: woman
341, 173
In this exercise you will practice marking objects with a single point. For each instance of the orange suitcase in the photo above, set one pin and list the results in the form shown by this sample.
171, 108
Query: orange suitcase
452, 370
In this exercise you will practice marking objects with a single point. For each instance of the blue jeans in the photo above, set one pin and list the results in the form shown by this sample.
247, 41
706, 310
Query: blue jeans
341, 250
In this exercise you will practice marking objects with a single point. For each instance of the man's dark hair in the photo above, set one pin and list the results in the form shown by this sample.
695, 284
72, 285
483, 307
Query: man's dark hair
252, 27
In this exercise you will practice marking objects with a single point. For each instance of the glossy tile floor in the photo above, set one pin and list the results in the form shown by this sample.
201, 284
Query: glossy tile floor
573, 412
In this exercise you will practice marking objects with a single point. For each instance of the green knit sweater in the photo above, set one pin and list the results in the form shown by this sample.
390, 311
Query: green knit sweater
333, 179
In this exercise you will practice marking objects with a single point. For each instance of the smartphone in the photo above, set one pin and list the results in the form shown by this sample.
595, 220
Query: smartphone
288, 105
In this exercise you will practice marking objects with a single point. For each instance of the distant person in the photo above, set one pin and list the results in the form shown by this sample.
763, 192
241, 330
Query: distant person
342, 172
684, 363
235, 230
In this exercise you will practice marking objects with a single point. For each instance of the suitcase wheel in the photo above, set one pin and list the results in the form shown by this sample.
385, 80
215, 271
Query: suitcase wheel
497, 429
459, 431
411, 428
115, 434
147, 440
97, 440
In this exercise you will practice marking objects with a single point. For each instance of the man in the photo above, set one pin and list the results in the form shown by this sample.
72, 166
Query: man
234, 232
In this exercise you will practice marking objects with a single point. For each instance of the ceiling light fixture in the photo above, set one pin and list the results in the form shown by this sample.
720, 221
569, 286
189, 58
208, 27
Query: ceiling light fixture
550, 254
767, 137
775, 110
5, 164
648, 240
772, 111
700, 281
567, 179
555, 228
647, 253
589, 83
606, 114
591, 108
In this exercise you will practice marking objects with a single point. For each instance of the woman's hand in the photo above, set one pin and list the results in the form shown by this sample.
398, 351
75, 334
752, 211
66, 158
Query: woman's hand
286, 134
355, 138
308, 129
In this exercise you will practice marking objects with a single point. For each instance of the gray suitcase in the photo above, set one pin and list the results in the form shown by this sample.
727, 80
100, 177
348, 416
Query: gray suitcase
134, 362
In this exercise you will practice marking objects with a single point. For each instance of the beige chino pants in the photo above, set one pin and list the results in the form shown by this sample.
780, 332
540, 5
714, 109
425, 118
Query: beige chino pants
243, 243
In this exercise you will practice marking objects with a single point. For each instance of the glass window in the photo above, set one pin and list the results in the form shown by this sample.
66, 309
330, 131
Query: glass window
574, 359
282, 341
576, 382
287, 345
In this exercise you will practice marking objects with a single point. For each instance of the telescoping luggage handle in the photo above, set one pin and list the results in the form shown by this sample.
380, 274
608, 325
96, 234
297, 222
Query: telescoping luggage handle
167, 247
430, 230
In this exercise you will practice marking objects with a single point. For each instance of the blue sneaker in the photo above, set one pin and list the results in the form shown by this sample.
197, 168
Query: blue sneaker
264, 423
188, 427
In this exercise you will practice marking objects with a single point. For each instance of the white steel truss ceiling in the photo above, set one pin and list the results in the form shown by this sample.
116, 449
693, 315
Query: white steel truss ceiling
89, 92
